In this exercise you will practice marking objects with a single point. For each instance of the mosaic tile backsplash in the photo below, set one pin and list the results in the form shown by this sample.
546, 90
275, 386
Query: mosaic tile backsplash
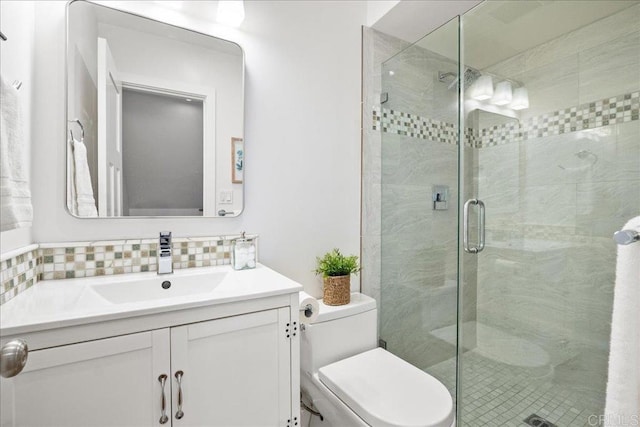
73, 260
19, 273
620, 109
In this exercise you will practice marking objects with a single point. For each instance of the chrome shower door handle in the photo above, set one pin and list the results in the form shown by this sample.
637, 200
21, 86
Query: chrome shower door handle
163, 415
481, 215
465, 225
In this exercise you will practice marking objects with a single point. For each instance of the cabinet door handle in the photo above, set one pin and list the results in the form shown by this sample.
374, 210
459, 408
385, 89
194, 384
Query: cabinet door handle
179, 413
163, 417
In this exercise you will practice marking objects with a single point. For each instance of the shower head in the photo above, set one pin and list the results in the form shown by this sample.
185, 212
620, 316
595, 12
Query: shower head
470, 76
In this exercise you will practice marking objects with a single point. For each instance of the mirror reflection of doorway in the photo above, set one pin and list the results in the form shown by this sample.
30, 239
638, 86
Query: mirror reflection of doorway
162, 143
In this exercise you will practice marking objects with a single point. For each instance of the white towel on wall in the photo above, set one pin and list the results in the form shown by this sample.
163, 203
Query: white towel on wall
623, 385
83, 202
15, 194
72, 200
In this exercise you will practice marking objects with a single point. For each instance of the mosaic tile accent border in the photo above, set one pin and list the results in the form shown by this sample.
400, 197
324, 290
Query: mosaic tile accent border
53, 261
619, 109
414, 126
18, 274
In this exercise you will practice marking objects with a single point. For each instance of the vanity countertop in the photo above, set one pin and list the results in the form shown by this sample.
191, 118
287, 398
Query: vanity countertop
69, 302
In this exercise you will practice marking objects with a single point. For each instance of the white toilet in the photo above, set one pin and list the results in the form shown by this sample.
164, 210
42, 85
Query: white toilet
352, 382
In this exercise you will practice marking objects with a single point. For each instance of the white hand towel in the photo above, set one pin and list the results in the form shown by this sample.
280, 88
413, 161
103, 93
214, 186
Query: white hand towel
85, 202
72, 200
15, 194
623, 385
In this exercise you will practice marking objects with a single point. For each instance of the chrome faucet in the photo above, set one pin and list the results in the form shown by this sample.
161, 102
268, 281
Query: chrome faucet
165, 264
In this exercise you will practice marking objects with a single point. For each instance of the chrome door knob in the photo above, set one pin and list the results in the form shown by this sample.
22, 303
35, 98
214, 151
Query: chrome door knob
13, 358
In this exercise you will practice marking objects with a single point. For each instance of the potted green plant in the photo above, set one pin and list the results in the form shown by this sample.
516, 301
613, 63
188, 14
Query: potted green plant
336, 270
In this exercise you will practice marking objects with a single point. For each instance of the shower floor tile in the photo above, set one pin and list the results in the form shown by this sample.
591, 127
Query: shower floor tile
500, 395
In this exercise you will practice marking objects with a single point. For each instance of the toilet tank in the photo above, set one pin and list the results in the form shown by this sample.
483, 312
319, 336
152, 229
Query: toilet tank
339, 332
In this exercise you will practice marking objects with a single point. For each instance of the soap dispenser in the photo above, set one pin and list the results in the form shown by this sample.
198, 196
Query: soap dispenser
243, 252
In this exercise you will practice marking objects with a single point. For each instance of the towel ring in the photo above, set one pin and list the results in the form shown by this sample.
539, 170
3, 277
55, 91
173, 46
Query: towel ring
79, 124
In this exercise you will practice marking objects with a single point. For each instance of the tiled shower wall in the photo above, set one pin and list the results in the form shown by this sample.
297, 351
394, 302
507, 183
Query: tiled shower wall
51, 261
376, 48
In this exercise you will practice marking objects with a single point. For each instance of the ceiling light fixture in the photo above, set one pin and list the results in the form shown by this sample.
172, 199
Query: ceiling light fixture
520, 99
230, 12
482, 89
503, 94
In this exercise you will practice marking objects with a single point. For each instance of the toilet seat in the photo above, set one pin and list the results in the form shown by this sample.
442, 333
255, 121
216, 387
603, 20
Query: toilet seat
386, 391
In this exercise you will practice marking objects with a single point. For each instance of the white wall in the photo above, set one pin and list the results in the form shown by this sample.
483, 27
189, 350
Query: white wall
16, 63
302, 135
376, 9
411, 20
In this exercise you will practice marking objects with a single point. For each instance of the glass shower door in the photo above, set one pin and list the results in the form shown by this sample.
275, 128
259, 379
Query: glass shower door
551, 112
418, 119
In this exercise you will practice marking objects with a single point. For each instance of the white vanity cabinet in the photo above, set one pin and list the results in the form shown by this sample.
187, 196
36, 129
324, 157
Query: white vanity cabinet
236, 371
224, 343
232, 371
107, 382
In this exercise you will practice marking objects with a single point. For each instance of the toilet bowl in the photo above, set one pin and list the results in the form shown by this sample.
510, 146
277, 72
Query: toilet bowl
352, 382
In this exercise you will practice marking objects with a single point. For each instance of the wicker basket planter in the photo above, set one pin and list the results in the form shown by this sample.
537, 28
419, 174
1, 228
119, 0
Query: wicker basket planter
336, 290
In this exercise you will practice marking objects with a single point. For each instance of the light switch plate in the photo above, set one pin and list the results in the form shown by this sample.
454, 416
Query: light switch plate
225, 197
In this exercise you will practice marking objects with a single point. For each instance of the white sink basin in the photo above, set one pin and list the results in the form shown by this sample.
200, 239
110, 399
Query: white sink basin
152, 288
61, 303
